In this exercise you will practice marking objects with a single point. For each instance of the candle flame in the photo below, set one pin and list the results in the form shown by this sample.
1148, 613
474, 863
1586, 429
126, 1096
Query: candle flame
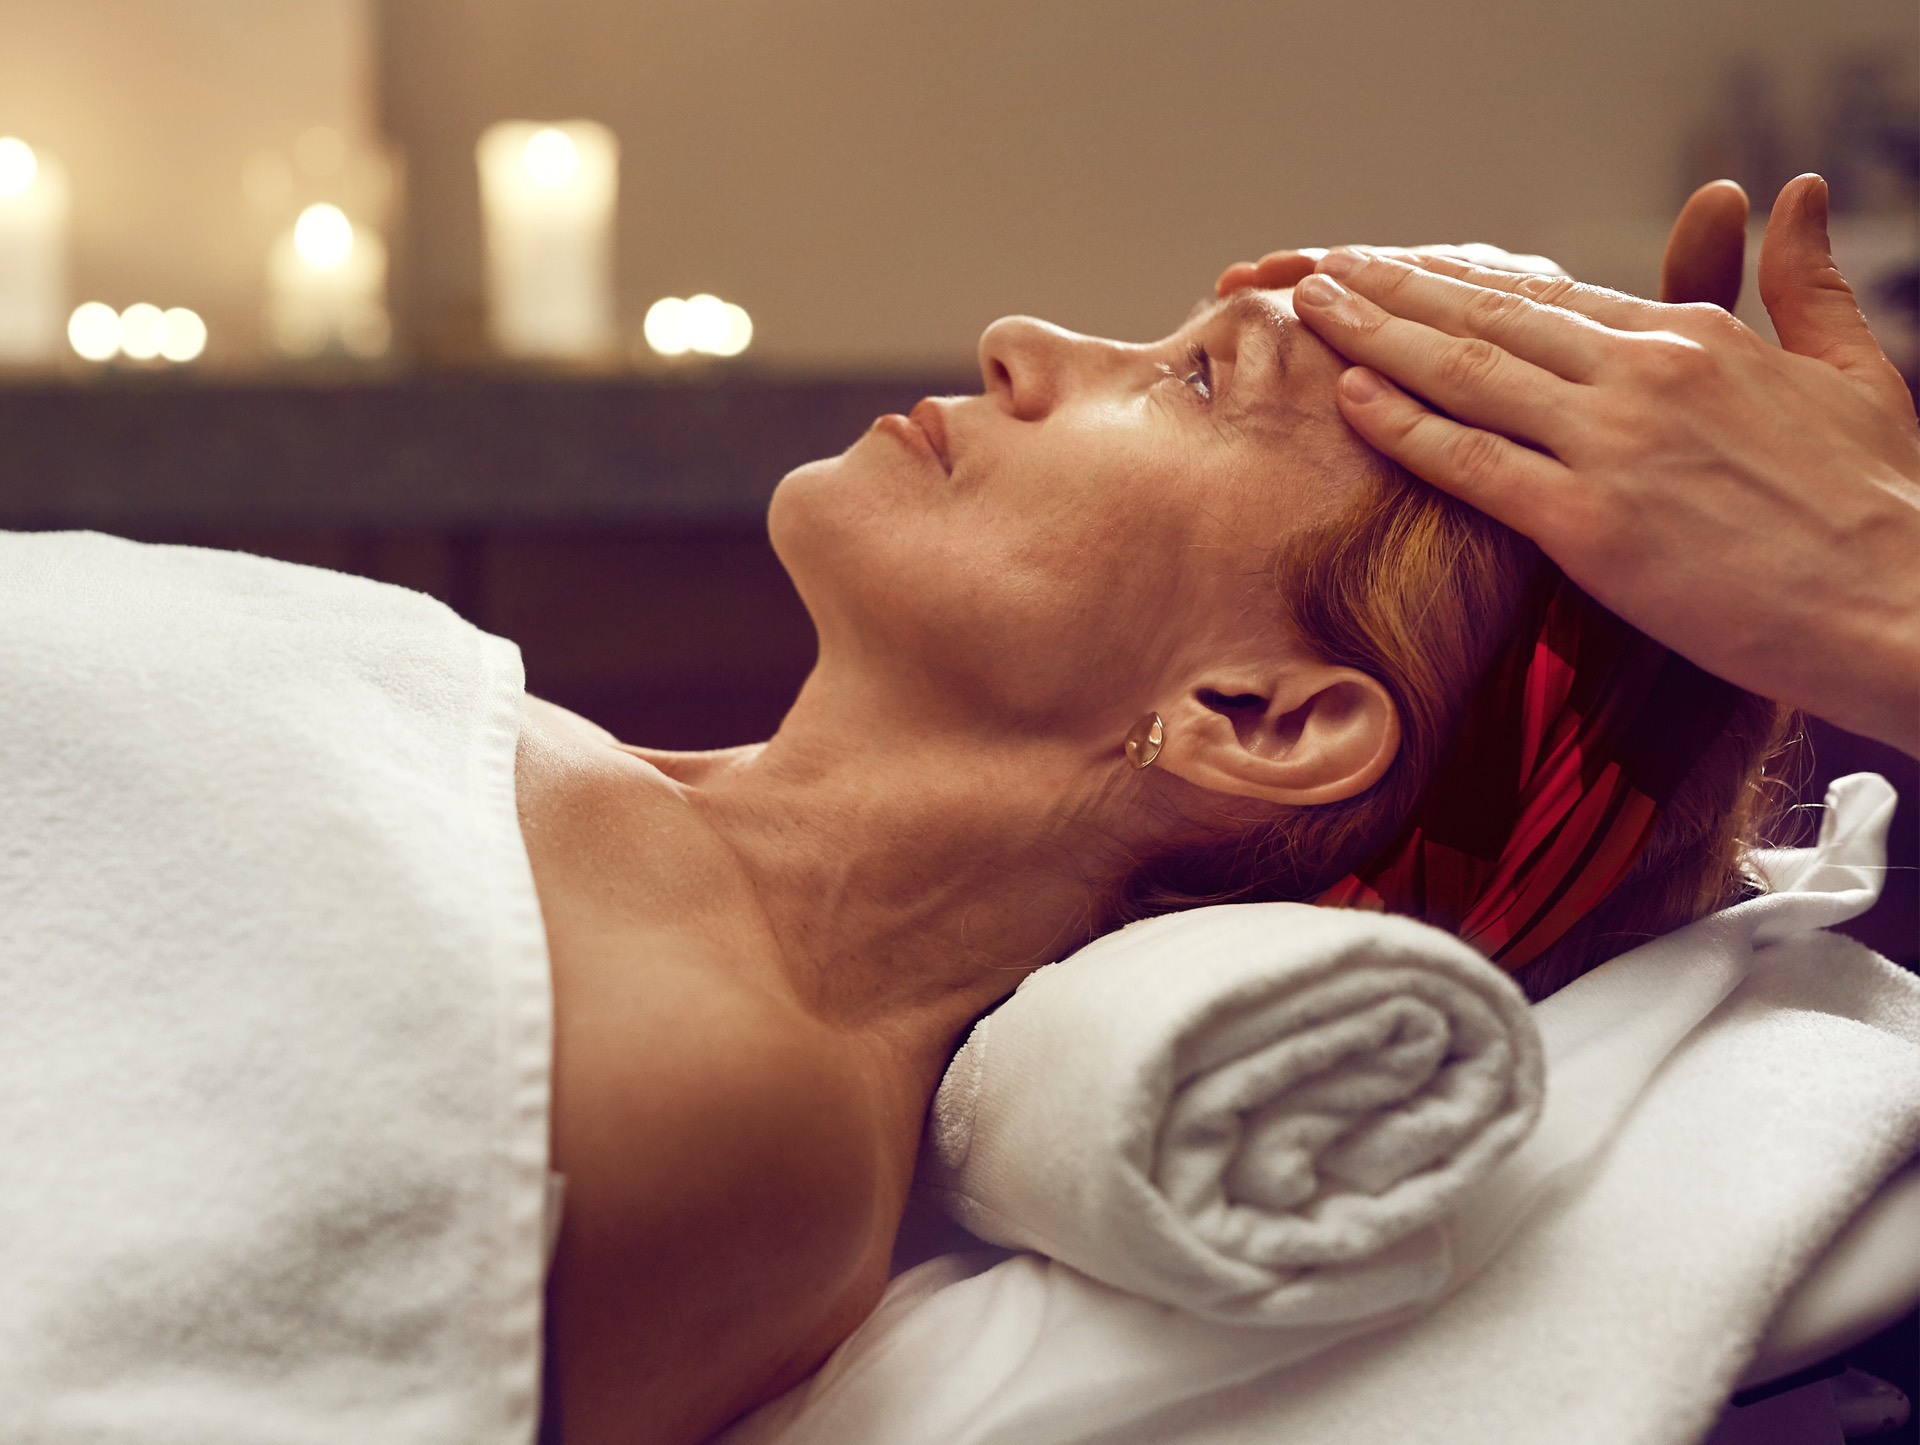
702, 323
143, 328
551, 158
94, 331
323, 237
183, 334
18, 165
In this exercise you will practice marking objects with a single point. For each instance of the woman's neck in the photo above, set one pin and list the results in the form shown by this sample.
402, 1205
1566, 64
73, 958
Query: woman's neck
909, 879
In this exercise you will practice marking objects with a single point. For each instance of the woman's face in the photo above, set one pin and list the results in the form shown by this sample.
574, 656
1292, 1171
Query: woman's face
1057, 548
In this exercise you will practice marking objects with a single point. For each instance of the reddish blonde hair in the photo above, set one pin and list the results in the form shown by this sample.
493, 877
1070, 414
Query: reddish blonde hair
1418, 590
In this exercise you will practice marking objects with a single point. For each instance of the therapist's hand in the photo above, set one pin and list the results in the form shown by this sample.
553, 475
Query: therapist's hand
1755, 507
1704, 257
1707, 248
1278, 270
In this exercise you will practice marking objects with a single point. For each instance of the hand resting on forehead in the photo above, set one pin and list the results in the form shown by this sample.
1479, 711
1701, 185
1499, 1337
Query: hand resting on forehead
1757, 507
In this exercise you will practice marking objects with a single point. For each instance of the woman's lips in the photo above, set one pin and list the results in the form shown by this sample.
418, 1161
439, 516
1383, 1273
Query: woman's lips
927, 415
925, 430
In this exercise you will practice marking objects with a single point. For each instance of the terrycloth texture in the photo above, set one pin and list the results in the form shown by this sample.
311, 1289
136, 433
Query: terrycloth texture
1260, 1113
274, 1009
1719, 1103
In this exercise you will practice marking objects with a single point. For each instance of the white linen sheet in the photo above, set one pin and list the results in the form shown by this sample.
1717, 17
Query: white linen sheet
274, 1009
1719, 1103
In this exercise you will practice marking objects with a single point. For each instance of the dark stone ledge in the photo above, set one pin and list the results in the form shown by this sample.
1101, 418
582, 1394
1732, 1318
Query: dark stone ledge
443, 451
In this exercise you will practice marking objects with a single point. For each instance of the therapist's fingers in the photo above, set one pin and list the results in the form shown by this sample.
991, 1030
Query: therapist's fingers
1707, 248
1475, 380
1279, 269
1563, 342
1479, 253
1272, 272
1812, 306
1509, 482
1596, 303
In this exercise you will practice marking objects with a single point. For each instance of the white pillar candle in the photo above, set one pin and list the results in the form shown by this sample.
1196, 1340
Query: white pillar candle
326, 287
547, 192
33, 252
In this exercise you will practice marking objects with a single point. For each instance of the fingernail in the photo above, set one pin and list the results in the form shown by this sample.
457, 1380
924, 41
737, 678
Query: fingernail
1321, 291
1358, 384
1328, 297
1813, 203
1341, 263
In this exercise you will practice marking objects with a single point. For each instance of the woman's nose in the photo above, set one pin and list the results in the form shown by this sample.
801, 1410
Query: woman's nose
1031, 365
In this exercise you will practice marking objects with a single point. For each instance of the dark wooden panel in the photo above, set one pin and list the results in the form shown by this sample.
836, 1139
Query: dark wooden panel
686, 642
431, 452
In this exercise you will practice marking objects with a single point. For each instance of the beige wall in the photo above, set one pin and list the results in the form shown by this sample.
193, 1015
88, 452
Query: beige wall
154, 107
874, 181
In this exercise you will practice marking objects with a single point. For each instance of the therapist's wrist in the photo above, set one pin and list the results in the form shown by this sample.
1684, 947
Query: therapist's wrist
1884, 667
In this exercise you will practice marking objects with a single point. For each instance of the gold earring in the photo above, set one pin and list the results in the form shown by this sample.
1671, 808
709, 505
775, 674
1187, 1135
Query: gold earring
1143, 743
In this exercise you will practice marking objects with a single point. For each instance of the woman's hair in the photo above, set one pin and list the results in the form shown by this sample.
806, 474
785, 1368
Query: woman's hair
1419, 591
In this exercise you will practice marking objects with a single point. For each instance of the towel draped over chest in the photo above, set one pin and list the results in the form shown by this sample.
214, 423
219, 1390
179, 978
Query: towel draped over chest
275, 1018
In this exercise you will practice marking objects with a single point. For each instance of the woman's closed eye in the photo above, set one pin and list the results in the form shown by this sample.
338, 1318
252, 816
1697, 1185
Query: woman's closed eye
1197, 374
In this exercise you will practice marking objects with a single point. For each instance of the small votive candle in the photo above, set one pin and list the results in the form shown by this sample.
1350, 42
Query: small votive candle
33, 253
547, 192
326, 287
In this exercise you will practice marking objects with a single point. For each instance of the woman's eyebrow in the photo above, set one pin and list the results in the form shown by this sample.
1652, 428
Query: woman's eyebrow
1253, 318
1247, 313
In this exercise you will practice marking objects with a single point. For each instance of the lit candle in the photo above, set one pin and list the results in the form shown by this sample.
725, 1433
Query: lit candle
548, 192
33, 252
326, 285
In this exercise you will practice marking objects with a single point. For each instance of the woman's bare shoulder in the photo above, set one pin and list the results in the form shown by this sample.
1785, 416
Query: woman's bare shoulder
724, 1202
728, 1195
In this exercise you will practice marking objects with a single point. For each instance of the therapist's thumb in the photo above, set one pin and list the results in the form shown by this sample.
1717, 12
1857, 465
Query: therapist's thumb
1812, 306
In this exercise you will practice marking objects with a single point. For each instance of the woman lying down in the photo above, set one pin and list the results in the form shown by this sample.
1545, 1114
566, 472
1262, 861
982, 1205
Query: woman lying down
1136, 628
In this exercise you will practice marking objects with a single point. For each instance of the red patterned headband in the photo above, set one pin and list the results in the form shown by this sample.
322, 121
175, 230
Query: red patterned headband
1574, 741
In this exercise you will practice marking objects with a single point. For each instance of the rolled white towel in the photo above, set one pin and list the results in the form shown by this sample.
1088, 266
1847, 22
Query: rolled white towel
1261, 1114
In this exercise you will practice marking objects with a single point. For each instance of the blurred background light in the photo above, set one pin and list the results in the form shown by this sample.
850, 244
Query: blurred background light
142, 332
33, 252
326, 288
706, 323
702, 323
547, 194
18, 165
183, 334
94, 331
666, 326
739, 332
143, 328
551, 158
323, 236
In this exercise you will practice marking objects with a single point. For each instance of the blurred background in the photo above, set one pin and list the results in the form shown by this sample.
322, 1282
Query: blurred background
875, 181
529, 305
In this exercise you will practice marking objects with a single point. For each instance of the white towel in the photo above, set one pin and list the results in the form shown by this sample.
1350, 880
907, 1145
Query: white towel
1260, 1113
274, 1009
1719, 1103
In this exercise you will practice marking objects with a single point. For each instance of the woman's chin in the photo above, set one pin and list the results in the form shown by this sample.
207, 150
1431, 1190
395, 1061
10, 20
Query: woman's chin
813, 523
797, 503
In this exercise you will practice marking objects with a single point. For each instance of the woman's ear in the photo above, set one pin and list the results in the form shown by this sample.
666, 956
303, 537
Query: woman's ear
1313, 733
